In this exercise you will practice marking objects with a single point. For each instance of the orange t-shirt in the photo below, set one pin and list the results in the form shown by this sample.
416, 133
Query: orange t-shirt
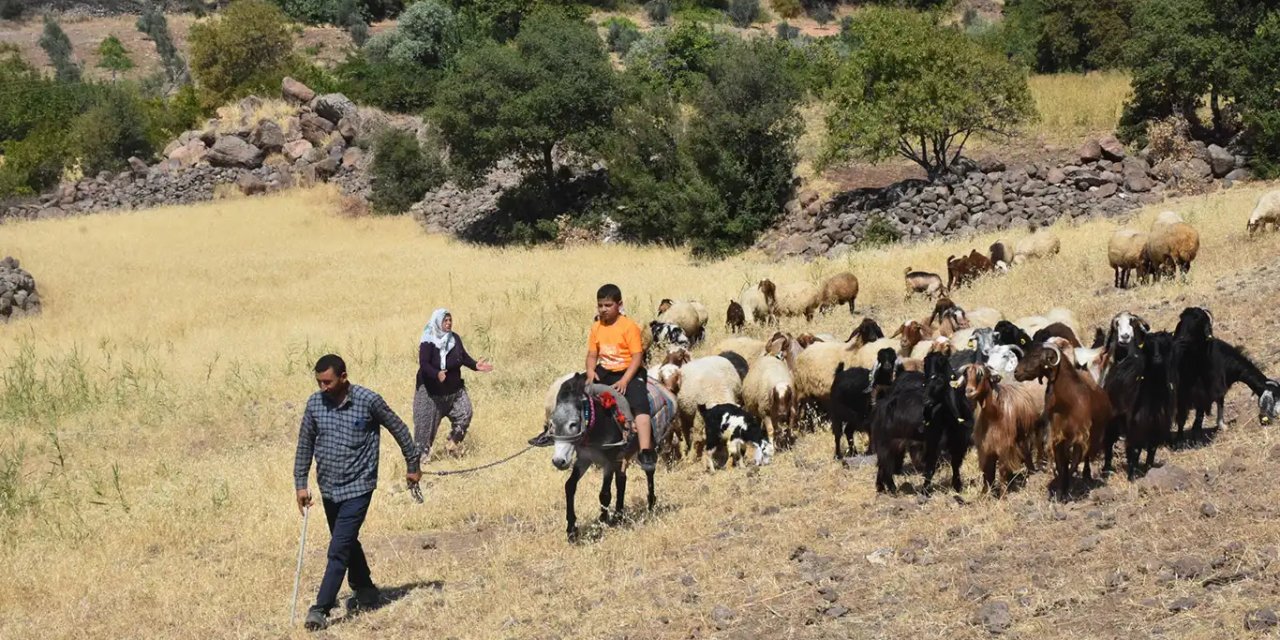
615, 344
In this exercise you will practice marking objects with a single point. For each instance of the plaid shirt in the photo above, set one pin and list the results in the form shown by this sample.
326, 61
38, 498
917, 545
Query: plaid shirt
344, 441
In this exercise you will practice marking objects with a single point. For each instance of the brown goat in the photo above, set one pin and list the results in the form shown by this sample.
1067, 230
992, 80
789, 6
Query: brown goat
806, 339
735, 318
679, 356
664, 305
930, 284
913, 333
965, 269
1005, 422
1077, 409
770, 292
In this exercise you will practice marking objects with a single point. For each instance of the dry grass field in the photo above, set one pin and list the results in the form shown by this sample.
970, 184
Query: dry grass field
1073, 106
148, 421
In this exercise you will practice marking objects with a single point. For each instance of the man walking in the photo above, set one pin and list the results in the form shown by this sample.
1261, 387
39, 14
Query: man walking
341, 428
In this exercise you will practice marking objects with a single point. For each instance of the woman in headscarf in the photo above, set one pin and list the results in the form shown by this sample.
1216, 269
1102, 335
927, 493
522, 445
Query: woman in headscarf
440, 390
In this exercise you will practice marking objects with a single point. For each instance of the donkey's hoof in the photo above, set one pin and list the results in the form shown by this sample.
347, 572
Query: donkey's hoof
573, 534
607, 519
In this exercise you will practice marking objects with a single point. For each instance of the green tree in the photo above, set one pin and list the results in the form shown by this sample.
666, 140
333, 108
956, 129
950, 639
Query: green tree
1261, 99
249, 39
114, 56
1067, 35
153, 23
917, 89
57, 46
111, 131
402, 172
743, 141
554, 89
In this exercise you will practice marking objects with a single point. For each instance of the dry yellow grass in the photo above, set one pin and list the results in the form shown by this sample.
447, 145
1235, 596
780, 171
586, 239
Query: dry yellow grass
1073, 106
148, 422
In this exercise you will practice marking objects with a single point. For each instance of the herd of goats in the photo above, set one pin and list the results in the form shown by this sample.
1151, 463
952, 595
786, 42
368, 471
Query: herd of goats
1025, 394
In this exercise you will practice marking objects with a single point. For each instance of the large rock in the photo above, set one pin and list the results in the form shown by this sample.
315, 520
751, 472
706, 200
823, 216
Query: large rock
334, 107
190, 154
296, 92
1220, 161
1111, 148
1090, 151
233, 151
18, 296
315, 129
251, 185
1138, 182
267, 136
349, 127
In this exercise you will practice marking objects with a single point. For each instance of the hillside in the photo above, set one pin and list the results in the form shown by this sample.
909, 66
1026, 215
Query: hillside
150, 414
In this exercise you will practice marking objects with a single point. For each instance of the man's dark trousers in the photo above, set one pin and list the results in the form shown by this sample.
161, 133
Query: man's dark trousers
346, 556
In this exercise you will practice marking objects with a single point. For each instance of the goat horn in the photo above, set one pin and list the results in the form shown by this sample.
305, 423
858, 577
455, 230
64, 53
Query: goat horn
1015, 348
1056, 352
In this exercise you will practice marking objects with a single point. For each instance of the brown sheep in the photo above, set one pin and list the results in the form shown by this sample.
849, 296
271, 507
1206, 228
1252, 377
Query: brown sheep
1078, 411
1169, 250
839, 289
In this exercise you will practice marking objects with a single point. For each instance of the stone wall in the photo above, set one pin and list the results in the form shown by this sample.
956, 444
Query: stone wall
18, 296
985, 196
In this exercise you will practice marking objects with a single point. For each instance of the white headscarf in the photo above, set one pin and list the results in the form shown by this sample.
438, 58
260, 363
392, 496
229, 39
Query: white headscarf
435, 334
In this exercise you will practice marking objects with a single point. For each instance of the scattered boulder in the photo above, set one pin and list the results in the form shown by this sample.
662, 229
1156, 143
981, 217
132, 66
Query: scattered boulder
994, 616
1261, 620
234, 151
267, 136
137, 165
18, 295
1169, 478
296, 149
1090, 151
1111, 148
315, 129
296, 92
334, 107
251, 185
1220, 161
349, 127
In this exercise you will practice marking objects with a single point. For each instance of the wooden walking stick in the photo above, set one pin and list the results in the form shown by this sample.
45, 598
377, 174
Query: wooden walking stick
297, 576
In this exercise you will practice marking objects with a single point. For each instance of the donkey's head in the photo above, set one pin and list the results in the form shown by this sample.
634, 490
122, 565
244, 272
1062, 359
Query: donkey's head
566, 423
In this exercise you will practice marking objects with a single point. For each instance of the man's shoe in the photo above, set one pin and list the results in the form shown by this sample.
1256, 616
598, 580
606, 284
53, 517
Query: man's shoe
316, 620
648, 459
542, 439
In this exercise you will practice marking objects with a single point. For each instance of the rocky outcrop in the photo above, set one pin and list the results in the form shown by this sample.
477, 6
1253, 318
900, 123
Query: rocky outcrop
18, 296
985, 196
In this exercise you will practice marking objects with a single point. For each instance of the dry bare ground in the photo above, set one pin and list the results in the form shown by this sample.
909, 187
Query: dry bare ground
148, 422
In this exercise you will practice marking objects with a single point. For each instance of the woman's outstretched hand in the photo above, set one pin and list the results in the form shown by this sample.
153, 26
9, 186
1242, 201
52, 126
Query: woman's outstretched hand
483, 366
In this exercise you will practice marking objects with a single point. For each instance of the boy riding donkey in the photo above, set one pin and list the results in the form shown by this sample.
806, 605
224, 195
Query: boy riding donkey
615, 357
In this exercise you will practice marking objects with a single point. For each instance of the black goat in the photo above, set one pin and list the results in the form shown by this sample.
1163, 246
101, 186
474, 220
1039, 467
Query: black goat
1009, 333
739, 363
1197, 374
948, 419
1141, 392
1125, 331
884, 372
920, 409
896, 422
850, 405
1236, 367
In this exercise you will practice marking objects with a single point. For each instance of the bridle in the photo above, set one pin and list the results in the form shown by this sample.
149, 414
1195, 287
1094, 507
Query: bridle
589, 418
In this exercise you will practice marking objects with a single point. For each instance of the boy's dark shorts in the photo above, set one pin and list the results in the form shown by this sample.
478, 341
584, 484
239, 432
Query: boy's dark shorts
637, 394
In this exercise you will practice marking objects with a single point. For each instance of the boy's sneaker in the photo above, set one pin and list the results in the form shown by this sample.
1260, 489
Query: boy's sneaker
316, 620
542, 439
648, 459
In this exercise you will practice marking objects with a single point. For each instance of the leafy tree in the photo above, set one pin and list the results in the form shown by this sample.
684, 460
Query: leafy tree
659, 11
114, 56
402, 172
248, 39
12, 9
339, 12
677, 57
110, 132
1067, 35
57, 46
153, 23
920, 90
403, 88
744, 12
743, 142
554, 89
425, 35
1261, 106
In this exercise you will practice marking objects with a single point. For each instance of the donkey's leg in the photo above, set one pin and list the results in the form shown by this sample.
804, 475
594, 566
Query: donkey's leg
648, 476
606, 495
621, 481
571, 488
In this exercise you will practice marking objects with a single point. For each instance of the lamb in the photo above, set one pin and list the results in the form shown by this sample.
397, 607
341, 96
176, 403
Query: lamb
799, 299
708, 381
1124, 253
735, 318
850, 405
1038, 245
1005, 421
758, 302
1169, 250
1266, 212
691, 316
731, 429
930, 284
768, 392
842, 288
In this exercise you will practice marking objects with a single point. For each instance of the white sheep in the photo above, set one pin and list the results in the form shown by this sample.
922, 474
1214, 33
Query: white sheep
866, 354
816, 369
984, 317
707, 381
1038, 245
749, 348
1032, 324
799, 299
690, 315
769, 393
1266, 212
759, 301
1124, 253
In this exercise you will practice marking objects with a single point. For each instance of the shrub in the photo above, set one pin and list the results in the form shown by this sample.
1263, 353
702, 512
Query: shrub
35, 163
821, 13
402, 172
339, 12
659, 11
1067, 35
12, 9
249, 40
744, 12
1169, 139
57, 46
622, 33
785, 31
878, 232
403, 88
787, 8
116, 128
